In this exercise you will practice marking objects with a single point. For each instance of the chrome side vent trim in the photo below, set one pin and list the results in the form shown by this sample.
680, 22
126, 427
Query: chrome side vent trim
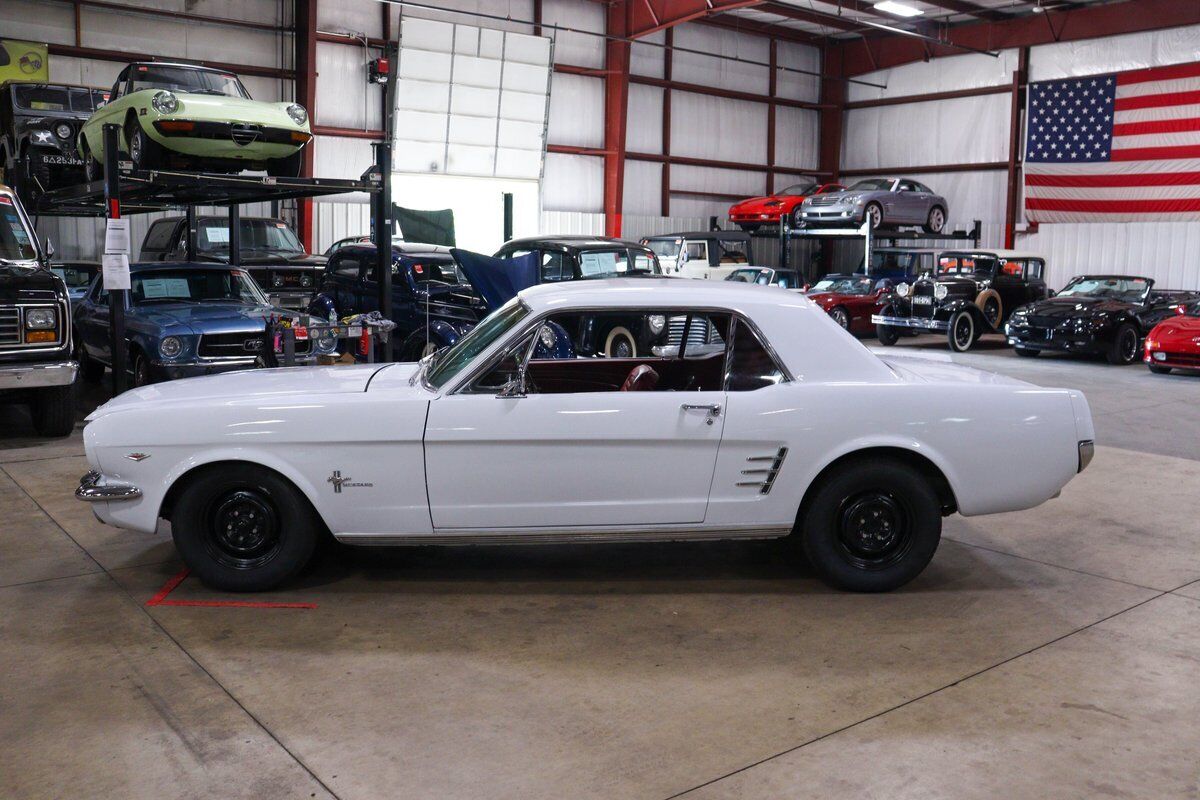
767, 473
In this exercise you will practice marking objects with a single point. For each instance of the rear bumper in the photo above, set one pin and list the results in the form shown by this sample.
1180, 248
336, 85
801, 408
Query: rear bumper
920, 323
38, 376
97, 488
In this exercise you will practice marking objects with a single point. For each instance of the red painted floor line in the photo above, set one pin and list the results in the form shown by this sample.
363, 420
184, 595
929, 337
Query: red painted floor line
160, 598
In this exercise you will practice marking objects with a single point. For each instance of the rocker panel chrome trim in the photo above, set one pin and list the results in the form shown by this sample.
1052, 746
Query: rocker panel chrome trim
541, 536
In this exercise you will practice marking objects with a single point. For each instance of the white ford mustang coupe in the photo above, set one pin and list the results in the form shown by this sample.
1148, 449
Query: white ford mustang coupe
749, 415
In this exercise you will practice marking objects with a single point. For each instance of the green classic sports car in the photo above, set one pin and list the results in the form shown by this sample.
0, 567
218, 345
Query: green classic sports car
183, 115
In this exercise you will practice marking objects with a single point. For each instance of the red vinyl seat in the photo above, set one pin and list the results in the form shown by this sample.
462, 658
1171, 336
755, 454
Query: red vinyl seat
641, 378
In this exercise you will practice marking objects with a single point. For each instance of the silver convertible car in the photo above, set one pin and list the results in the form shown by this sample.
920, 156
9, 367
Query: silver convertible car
891, 202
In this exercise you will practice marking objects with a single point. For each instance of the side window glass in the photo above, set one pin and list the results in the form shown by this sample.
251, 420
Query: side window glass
554, 267
507, 369
1033, 270
696, 251
347, 267
1011, 268
750, 365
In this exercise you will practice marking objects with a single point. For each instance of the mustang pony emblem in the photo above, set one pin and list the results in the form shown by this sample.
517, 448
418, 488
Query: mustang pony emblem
338, 482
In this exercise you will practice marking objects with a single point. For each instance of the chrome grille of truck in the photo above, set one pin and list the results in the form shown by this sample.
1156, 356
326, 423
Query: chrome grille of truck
10, 326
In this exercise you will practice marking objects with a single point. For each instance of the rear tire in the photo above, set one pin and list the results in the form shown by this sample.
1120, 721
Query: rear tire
1124, 347
871, 525
841, 317
961, 333
53, 411
243, 528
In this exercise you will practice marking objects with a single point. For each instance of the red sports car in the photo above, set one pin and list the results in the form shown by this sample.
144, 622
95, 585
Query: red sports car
1174, 343
851, 299
749, 214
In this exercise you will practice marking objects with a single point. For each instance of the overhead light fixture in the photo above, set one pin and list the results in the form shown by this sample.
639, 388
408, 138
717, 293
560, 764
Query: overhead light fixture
898, 9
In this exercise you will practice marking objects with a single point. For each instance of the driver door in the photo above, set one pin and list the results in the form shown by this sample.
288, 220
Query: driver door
582, 447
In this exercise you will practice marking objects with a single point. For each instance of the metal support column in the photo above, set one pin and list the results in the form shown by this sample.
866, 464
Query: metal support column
383, 228
235, 235
116, 297
192, 230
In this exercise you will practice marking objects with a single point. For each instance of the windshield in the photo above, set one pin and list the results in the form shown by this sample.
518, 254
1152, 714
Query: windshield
872, 185
798, 189
966, 265
76, 277
438, 272
843, 285
192, 285
448, 364
1130, 290
890, 261
762, 276
614, 264
35, 97
16, 243
186, 79
256, 234
664, 248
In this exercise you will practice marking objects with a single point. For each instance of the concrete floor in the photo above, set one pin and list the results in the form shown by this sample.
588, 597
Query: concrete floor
1047, 653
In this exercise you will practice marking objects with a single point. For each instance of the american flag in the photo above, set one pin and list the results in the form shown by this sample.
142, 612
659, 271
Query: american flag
1117, 147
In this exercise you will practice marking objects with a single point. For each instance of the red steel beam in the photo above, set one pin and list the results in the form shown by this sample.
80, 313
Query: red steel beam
982, 166
732, 22
616, 108
963, 7
348, 133
123, 57
694, 88
772, 83
801, 15
1013, 193
1057, 25
1003, 88
689, 161
644, 17
328, 37
305, 41
833, 97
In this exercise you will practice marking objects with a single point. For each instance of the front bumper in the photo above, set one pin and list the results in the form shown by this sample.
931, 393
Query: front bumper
921, 323
38, 376
1063, 341
829, 215
293, 300
1174, 360
97, 488
772, 215
211, 139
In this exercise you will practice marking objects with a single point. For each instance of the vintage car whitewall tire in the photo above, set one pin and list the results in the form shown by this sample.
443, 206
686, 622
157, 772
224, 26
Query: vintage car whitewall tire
620, 344
243, 528
989, 303
962, 331
871, 525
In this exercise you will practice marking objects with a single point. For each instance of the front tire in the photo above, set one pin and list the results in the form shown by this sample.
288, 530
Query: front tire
887, 334
1124, 347
841, 317
93, 170
144, 152
53, 411
871, 526
286, 167
141, 370
90, 370
961, 333
873, 214
243, 528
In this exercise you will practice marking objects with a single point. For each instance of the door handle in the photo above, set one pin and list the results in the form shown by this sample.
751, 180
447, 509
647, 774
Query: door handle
713, 409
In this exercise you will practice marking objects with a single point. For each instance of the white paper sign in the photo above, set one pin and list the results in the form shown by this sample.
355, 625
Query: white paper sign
116, 271
116, 239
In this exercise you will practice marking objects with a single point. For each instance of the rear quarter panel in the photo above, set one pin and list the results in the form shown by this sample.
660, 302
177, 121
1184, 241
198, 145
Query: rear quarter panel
1001, 447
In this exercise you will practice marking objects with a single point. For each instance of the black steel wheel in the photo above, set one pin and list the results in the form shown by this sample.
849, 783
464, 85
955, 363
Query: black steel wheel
887, 334
871, 525
991, 311
961, 333
243, 528
1124, 346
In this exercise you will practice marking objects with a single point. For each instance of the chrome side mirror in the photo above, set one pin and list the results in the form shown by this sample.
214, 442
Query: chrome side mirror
514, 388
49, 248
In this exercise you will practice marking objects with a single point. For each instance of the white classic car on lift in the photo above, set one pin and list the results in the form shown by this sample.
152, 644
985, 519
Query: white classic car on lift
756, 417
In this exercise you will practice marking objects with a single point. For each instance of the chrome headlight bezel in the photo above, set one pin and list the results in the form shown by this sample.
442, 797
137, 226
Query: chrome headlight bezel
41, 318
276, 280
170, 347
298, 114
902, 289
306, 280
165, 102
941, 291
63, 131
548, 337
656, 322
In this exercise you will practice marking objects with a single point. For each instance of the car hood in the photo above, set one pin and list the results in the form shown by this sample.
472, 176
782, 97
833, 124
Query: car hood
15, 281
497, 280
229, 109
1185, 327
1063, 307
217, 318
765, 199
302, 383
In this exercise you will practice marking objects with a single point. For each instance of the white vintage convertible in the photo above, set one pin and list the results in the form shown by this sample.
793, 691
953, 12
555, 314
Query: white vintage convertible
753, 416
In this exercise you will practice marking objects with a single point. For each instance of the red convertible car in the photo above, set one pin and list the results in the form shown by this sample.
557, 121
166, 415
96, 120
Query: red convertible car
1174, 343
756, 211
851, 299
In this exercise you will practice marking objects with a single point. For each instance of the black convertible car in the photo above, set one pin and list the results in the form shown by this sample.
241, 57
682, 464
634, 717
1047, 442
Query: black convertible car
1105, 315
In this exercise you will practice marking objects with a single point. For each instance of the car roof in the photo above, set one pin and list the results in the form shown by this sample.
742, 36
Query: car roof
404, 249
150, 266
20, 82
805, 338
568, 240
988, 251
741, 235
210, 217
894, 249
